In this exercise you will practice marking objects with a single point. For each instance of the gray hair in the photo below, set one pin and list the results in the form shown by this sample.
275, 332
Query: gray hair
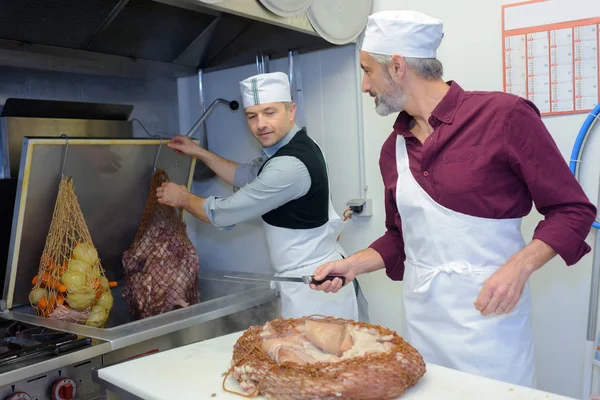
429, 69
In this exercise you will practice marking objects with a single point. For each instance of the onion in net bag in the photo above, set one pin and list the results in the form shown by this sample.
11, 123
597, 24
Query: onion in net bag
71, 284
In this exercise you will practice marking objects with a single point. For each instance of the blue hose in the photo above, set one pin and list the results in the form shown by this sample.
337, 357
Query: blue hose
585, 130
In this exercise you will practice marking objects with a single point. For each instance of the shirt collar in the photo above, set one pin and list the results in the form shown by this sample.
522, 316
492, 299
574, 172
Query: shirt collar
443, 113
268, 152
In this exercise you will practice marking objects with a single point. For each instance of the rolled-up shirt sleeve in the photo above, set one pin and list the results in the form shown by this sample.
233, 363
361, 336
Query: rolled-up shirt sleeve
390, 246
247, 172
534, 156
283, 179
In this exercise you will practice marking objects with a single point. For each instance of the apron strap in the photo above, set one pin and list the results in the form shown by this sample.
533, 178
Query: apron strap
425, 274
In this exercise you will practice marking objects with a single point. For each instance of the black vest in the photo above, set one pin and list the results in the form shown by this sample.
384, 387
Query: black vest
312, 209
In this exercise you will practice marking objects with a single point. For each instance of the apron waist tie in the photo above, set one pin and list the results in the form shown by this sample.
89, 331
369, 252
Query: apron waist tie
426, 274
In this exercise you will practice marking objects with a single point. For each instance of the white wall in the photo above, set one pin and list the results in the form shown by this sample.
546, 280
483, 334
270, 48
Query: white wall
471, 53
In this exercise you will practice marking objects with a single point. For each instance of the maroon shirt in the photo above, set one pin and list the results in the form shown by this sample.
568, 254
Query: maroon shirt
489, 156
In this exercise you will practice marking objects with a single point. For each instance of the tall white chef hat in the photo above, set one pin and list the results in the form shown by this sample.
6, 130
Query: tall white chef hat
407, 33
265, 88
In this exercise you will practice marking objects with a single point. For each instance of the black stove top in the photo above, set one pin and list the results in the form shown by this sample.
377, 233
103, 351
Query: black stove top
20, 341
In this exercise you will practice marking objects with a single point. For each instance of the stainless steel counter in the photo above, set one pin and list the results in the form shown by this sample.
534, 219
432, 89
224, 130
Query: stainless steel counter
226, 307
219, 299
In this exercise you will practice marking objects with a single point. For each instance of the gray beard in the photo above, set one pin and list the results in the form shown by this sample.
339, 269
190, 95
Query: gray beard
388, 103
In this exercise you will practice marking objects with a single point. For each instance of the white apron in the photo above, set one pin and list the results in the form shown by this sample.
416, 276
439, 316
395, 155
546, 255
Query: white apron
298, 252
449, 256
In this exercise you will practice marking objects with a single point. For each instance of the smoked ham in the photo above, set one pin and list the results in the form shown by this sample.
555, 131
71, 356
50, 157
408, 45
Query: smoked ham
161, 265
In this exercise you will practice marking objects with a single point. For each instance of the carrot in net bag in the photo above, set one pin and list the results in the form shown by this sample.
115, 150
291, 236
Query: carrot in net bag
161, 265
70, 284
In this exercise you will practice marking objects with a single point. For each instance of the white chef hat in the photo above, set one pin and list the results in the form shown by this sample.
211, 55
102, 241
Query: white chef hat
265, 88
407, 33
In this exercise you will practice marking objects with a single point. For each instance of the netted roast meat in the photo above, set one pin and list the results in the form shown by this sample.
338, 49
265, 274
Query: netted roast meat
161, 266
323, 358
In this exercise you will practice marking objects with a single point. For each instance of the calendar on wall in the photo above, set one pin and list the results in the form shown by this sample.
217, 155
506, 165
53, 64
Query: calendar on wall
550, 54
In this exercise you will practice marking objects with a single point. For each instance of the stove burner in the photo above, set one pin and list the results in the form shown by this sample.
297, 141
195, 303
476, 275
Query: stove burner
18, 339
26, 335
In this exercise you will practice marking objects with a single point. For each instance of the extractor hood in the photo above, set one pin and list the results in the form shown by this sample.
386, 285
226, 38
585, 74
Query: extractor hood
132, 37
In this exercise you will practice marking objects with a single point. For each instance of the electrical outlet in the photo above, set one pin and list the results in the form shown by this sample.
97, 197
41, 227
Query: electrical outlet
361, 207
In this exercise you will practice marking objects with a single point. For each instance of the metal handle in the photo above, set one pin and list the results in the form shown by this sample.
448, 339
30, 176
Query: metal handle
72, 346
233, 105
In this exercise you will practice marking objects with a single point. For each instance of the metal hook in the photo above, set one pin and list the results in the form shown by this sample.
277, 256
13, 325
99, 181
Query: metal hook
62, 168
158, 153
143, 127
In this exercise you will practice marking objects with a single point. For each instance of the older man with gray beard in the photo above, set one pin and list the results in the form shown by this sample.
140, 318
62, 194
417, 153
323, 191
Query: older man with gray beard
461, 169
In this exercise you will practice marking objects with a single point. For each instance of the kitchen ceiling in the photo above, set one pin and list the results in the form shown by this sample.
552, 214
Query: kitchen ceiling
178, 32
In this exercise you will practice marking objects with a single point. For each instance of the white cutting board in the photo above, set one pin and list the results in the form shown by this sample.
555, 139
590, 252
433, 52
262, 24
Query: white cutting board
195, 372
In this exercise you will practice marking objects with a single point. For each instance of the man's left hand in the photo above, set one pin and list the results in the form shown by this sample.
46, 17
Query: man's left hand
171, 194
502, 291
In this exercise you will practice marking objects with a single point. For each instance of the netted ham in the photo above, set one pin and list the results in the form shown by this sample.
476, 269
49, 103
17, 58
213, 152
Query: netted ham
324, 358
161, 265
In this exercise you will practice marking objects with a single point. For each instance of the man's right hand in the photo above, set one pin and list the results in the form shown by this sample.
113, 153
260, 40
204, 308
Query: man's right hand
184, 145
365, 261
341, 267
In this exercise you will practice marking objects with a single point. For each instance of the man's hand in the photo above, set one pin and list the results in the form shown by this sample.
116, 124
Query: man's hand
184, 145
171, 194
365, 261
341, 267
502, 291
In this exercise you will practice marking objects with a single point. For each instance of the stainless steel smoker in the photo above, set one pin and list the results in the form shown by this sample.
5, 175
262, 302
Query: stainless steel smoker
112, 179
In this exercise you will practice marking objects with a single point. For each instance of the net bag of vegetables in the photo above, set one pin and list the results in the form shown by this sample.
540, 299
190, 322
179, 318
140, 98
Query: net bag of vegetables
319, 357
70, 284
161, 265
